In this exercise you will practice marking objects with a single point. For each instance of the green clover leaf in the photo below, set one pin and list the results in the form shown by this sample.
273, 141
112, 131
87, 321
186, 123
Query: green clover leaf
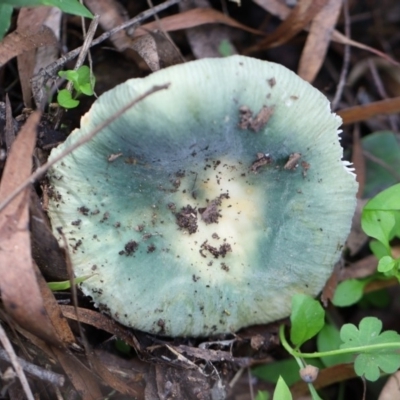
370, 362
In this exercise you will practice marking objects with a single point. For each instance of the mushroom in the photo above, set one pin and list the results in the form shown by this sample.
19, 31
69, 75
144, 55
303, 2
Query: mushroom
207, 206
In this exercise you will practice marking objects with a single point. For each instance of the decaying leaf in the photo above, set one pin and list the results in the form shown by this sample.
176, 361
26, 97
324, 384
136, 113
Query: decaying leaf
318, 40
20, 292
295, 22
17, 43
191, 19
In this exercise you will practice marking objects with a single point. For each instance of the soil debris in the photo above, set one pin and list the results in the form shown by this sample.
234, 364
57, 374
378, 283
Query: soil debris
186, 219
262, 159
292, 162
246, 120
211, 213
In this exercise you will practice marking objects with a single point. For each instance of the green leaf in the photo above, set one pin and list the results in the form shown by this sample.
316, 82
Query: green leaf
369, 363
70, 75
122, 347
307, 318
82, 79
262, 395
386, 264
86, 80
378, 249
65, 99
378, 224
379, 215
282, 391
68, 6
5, 19
384, 146
349, 292
225, 49
65, 285
289, 369
329, 339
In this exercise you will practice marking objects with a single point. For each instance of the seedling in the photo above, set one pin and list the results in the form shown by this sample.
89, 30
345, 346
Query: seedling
83, 83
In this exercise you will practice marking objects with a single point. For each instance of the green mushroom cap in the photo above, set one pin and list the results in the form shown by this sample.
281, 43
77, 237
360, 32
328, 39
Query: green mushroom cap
207, 206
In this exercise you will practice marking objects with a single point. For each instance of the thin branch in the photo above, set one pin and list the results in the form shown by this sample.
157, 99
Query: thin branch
346, 58
39, 372
41, 170
86, 46
382, 92
81, 58
15, 363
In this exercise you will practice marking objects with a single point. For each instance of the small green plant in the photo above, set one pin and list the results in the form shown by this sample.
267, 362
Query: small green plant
371, 350
68, 6
381, 220
65, 285
83, 83
374, 350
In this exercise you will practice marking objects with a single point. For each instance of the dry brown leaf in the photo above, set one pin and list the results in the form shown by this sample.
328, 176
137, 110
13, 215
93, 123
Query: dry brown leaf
274, 7
46, 251
360, 269
101, 321
318, 40
357, 237
380, 284
330, 286
10, 128
17, 43
280, 10
20, 292
343, 39
366, 111
59, 322
191, 19
112, 380
296, 21
82, 378
391, 389
111, 15
29, 19
205, 40
156, 50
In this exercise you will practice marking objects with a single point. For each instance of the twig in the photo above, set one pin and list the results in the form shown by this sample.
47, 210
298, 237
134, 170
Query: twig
41, 170
39, 372
382, 92
250, 384
86, 45
346, 58
15, 363
44, 74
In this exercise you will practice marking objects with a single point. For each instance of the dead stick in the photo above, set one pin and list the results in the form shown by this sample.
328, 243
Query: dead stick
15, 363
35, 370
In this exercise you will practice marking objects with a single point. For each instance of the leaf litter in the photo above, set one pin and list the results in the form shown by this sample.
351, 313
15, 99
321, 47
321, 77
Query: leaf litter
27, 300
